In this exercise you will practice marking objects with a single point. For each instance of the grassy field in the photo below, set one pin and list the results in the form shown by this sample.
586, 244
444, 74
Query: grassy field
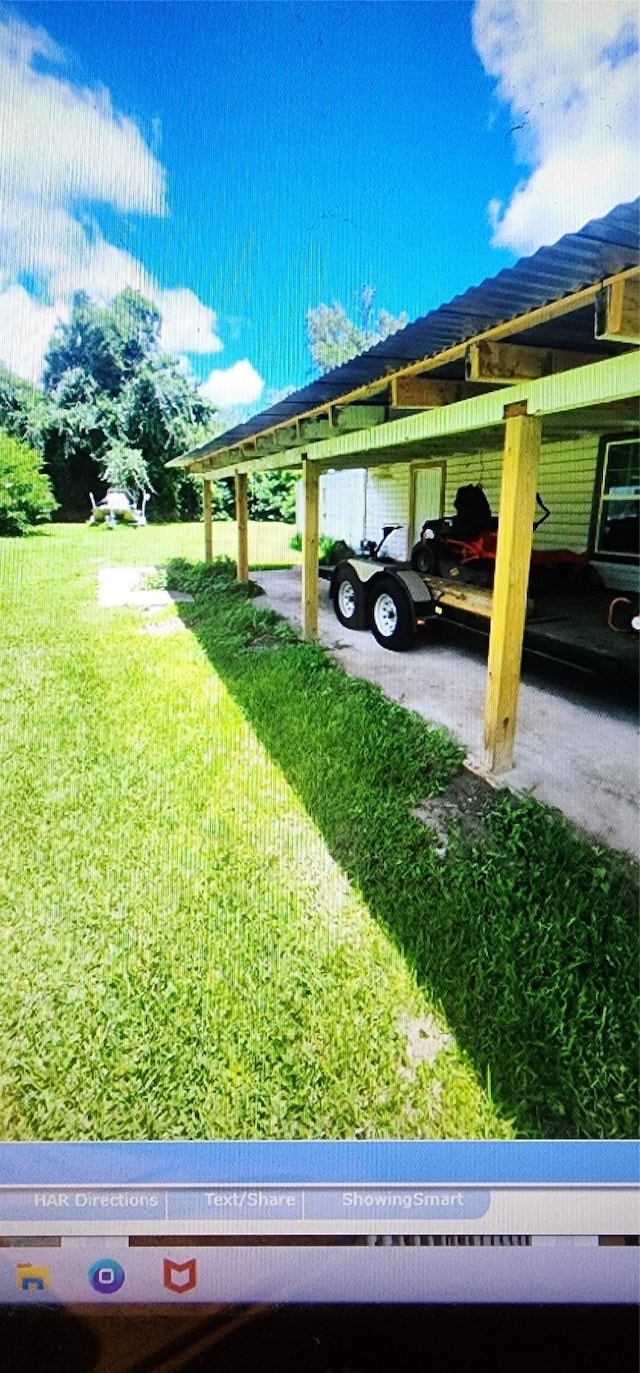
525, 935
187, 944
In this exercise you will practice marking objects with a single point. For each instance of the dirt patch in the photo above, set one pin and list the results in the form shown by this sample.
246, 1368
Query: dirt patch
425, 1040
464, 806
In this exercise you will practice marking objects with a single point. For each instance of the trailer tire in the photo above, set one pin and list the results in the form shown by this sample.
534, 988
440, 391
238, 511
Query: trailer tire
391, 615
347, 598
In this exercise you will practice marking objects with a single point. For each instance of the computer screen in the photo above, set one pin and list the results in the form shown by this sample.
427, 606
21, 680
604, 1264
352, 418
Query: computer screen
319, 564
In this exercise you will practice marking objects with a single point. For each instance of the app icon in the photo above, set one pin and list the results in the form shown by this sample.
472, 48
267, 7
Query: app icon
31, 1277
105, 1275
171, 1275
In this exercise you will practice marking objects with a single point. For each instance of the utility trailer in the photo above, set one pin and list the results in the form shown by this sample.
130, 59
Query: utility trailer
392, 599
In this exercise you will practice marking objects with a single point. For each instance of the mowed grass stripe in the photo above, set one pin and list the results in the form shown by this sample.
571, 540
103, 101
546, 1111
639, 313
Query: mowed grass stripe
182, 956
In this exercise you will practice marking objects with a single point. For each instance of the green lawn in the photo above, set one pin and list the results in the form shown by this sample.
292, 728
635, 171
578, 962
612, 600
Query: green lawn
183, 953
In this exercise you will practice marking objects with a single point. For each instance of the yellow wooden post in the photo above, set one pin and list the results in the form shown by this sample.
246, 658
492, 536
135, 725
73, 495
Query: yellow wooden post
310, 551
242, 574
513, 556
208, 523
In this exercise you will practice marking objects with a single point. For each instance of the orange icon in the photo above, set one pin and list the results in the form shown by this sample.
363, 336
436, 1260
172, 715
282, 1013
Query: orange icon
173, 1280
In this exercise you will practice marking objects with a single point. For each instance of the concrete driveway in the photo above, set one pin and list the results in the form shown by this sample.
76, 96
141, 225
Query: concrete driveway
574, 749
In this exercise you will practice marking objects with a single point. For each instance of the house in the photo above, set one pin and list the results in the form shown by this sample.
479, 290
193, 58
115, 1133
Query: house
529, 382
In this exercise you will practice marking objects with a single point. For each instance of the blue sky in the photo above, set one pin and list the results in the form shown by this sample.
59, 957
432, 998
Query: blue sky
244, 162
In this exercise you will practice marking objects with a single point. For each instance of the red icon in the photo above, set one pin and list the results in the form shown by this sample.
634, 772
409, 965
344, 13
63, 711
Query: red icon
172, 1272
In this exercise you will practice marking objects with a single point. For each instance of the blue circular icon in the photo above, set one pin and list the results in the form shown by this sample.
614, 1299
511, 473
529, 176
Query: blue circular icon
105, 1275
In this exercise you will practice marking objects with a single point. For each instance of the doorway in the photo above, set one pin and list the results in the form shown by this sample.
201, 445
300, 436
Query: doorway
427, 496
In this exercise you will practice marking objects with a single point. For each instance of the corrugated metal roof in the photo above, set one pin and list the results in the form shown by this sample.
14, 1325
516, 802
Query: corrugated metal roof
599, 250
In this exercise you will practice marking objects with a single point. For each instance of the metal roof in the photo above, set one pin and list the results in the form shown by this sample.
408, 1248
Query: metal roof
599, 250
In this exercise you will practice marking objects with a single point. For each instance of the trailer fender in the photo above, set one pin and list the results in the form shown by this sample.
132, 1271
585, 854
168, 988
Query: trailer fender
421, 600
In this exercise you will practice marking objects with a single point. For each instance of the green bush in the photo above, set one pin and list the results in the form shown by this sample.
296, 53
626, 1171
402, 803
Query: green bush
330, 551
25, 493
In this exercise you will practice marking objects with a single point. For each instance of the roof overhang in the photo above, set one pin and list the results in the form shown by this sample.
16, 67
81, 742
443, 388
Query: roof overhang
612, 382
569, 306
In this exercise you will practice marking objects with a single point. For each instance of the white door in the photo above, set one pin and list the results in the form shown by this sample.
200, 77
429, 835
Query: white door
427, 497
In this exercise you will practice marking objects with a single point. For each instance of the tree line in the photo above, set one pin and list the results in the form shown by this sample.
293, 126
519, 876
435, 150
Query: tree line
113, 409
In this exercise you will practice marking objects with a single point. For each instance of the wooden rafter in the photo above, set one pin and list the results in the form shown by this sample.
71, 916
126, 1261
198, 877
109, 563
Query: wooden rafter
615, 381
530, 320
504, 364
618, 311
425, 393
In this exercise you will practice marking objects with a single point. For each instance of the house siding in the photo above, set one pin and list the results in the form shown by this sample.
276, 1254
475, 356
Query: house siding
387, 502
566, 484
356, 504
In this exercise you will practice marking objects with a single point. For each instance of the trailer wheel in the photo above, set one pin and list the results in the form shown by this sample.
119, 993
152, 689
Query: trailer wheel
346, 598
391, 616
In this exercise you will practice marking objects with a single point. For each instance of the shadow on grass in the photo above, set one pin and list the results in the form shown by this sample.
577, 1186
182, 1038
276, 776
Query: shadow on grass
523, 932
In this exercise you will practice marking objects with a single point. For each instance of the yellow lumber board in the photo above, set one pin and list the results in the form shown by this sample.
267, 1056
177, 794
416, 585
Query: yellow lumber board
503, 363
618, 311
515, 533
610, 382
423, 393
208, 523
531, 319
463, 596
242, 527
310, 579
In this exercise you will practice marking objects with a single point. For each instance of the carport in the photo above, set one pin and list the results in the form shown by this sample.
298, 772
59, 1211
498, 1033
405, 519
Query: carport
577, 749
546, 351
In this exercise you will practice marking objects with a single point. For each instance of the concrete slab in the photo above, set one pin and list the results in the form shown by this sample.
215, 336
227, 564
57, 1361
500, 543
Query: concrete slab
573, 750
121, 586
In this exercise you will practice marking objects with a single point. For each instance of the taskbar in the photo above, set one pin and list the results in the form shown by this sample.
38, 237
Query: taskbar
324, 1268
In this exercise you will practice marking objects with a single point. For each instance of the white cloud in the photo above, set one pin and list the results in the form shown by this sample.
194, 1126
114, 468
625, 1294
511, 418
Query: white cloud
63, 148
61, 143
187, 324
236, 385
25, 329
568, 70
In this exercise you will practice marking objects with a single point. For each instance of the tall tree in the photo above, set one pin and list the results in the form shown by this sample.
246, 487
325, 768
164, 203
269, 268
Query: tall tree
24, 411
118, 409
107, 343
333, 337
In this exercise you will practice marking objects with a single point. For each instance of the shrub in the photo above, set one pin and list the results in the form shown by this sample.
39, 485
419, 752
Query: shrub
330, 551
25, 493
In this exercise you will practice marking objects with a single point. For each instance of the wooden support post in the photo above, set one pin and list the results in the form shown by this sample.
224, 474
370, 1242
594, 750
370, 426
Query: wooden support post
242, 574
513, 556
208, 524
310, 580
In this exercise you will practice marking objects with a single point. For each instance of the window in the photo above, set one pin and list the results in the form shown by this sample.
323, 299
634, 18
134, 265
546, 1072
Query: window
619, 510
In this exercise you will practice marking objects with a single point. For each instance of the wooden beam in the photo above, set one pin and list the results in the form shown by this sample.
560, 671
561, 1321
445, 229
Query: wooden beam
513, 556
242, 566
208, 523
503, 364
618, 311
310, 579
422, 393
603, 383
353, 417
312, 430
554, 309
